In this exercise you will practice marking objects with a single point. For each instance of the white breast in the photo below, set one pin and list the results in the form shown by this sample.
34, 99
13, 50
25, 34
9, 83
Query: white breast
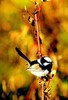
39, 73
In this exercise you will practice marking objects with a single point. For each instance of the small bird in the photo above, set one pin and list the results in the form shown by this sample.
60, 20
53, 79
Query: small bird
40, 67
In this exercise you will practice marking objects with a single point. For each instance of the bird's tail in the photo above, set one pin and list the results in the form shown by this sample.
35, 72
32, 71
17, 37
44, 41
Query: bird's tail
22, 55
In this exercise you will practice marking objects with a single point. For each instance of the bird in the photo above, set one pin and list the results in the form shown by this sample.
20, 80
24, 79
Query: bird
40, 67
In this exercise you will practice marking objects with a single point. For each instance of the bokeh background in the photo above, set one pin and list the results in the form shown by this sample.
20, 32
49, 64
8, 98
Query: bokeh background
15, 31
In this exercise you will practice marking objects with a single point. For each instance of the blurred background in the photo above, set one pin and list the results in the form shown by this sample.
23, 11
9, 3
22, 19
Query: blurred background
17, 31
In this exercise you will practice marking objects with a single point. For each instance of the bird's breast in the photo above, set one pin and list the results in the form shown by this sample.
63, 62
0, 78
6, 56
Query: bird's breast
37, 71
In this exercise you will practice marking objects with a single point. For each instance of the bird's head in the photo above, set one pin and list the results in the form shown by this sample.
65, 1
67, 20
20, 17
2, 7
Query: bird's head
45, 61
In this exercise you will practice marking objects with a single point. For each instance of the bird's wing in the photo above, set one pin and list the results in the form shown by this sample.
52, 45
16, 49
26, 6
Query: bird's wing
22, 55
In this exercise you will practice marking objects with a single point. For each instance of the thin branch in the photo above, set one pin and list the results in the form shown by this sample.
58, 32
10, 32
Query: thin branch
43, 90
39, 45
37, 27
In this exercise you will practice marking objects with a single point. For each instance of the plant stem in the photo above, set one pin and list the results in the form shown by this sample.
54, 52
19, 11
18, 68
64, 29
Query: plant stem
39, 45
43, 90
37, 27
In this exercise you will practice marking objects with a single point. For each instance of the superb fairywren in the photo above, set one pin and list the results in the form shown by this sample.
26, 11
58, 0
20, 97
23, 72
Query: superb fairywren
40, 67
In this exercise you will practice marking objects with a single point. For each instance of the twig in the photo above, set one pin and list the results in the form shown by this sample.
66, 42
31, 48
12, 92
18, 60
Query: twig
37, 27
39, 45
43, 90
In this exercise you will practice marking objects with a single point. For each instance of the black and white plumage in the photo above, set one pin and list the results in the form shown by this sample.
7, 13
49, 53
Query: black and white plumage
40, 67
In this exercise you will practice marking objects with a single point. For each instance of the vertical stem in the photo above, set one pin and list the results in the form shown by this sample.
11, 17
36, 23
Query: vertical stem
39, 46
43, 90
37, 27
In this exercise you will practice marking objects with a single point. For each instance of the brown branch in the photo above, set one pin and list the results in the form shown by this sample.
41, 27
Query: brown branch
43, 90
37, 8
37, 28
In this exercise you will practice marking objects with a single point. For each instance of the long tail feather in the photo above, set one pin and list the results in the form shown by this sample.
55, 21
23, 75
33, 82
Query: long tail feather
22, 55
